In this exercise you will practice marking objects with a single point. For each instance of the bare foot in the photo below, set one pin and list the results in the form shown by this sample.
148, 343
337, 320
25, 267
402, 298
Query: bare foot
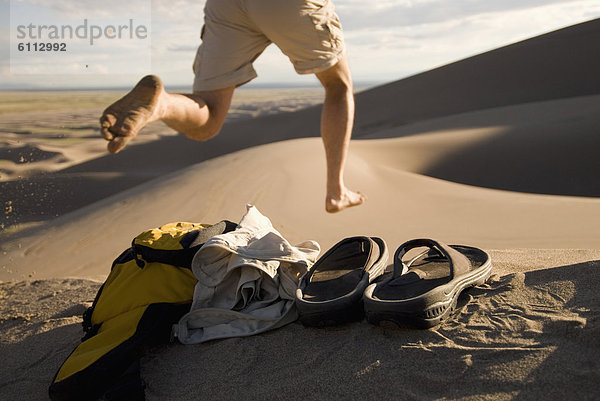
122, 120
346, 200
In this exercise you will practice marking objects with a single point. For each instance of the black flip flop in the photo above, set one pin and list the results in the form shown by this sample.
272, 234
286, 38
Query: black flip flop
422, 292
331, 291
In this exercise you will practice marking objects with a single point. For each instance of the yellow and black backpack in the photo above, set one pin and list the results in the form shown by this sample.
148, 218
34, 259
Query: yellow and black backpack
149, 288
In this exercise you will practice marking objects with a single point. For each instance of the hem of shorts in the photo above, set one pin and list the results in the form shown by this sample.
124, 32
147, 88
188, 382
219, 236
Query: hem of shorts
222, 84
322, 66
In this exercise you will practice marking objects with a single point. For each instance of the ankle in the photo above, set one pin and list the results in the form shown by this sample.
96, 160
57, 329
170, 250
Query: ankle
160, 111
336, 192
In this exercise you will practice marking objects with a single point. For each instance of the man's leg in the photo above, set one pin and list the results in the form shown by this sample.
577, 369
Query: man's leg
337, 119
199, 116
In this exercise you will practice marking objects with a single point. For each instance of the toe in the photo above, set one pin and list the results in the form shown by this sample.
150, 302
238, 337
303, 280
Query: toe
117, 144
106, 122
108, 119
106, 134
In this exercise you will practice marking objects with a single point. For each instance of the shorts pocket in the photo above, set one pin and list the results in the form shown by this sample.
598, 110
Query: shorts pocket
197, 60
327, 23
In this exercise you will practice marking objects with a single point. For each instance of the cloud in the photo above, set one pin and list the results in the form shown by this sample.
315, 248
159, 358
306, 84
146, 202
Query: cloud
187, 12
386, 39
356, 15
396, 52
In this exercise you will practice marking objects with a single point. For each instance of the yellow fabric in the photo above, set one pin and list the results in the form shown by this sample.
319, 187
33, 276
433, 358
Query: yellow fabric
167, 236
156, 282
111, 334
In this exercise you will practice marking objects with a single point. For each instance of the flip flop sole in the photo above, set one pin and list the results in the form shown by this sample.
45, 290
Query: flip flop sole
339, 314
429, 309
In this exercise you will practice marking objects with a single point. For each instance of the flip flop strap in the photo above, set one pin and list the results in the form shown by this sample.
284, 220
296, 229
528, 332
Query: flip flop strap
458, 262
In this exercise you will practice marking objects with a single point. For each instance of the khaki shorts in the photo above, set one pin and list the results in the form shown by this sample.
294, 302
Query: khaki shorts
236, 32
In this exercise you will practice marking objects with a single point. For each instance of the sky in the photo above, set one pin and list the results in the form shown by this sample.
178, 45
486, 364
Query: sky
386, 40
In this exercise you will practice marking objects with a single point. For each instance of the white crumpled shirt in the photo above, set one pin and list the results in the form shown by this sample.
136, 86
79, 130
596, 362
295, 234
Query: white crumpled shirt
247, 280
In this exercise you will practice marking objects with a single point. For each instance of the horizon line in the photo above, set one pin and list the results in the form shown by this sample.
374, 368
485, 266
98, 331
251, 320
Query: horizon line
266, 85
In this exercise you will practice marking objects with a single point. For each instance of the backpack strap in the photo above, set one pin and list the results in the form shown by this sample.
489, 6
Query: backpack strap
191, 242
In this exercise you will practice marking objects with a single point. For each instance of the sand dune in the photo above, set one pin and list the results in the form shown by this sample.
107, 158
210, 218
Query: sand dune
285, 181
537, 147
553, 66
556, 65
496, 151
541, 147
39, 190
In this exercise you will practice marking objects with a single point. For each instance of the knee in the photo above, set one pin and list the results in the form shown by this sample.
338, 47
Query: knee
338, 88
